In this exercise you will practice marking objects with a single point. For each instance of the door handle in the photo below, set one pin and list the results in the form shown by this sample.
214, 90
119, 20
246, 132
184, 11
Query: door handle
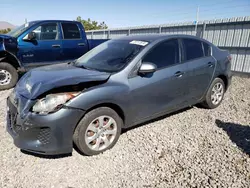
81, 44
56, 45
178, 74
210, 64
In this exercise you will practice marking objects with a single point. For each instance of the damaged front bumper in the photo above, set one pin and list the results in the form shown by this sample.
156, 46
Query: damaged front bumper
43, 134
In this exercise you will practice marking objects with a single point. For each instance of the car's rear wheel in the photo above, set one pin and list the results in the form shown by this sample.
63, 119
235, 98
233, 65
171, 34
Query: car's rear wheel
98, 131
8, 76
215, 94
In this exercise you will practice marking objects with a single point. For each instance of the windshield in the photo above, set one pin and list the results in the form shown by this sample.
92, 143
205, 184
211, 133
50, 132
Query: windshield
19, 30
111, 56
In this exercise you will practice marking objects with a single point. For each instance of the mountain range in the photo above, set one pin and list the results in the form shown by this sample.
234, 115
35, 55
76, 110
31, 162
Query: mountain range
5, 25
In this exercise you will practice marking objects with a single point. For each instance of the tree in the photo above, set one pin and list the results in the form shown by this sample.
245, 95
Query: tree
4, 31
91, 25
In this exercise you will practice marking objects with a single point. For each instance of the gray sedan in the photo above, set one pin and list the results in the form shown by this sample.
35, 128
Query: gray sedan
119, 84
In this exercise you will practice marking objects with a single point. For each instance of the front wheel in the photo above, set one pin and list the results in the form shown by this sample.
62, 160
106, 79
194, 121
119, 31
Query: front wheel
215, 94
8, 76
98, 131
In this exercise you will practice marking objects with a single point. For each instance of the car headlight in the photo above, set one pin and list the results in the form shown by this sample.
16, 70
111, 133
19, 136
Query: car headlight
52, 102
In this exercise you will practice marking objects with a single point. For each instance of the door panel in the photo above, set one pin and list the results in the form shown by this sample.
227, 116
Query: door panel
40, 52
158, 92
74, 44
161, 91
200, 73
73, 49
47, 48
200, 68
25, 52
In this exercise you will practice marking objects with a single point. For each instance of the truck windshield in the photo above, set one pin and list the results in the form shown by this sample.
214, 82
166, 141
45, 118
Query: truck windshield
19, 30
111, 56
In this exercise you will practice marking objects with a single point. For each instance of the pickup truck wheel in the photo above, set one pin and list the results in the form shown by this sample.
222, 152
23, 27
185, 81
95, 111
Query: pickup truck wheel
215, 94
98, 131
8, 76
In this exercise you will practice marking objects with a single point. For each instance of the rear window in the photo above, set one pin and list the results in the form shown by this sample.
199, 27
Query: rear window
70, 31
193, 49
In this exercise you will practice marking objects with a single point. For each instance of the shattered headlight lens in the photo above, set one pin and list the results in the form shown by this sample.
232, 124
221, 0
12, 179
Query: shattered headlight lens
52, 102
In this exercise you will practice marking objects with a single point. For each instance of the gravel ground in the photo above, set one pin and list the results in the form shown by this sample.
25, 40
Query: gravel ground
192, 148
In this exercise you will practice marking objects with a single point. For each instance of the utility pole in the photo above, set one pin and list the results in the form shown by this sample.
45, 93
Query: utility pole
197, 19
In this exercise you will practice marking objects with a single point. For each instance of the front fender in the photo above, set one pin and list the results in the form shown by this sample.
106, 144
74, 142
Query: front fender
2, 47
103, 94
9, 57
2, 58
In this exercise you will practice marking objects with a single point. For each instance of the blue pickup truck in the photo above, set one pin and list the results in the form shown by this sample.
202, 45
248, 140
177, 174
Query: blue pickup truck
39, 43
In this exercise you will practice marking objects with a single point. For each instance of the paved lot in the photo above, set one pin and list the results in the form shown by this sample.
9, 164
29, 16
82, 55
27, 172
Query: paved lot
193, 148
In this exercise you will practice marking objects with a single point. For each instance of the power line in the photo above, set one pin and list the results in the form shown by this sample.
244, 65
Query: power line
226, 12
200, 5
206, 10
211, 10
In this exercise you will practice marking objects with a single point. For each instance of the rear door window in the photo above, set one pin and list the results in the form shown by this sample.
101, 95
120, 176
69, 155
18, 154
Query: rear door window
164, 54
71, 31
192, 49
207, 49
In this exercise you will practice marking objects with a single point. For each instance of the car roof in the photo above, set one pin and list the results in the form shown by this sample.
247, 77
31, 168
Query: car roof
154, 37
41, 21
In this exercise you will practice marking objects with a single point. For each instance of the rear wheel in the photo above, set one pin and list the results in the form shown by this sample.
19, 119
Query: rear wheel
214, 94
98, 131
8, 76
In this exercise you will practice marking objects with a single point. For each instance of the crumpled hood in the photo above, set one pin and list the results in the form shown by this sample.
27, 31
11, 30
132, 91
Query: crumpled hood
8, 43
43, 79
5, 36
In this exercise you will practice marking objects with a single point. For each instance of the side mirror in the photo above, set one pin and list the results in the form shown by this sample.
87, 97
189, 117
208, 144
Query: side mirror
147, 68
32, 36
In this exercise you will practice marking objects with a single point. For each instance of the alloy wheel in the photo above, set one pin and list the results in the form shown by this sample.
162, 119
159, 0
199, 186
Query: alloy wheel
217, 93
101, 133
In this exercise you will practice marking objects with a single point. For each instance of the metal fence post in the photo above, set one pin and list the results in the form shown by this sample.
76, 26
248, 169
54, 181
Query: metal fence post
108, 35
160, 29
203, 29
128, 32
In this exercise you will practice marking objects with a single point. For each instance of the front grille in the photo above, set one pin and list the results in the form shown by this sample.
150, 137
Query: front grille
13, 99
16, 128
44, 135
12, 116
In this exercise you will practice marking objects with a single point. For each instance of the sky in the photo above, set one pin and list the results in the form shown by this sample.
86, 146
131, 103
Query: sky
122, 13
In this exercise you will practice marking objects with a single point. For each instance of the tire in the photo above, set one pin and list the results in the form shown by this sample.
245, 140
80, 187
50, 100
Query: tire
92, 120
209, 102
8, 76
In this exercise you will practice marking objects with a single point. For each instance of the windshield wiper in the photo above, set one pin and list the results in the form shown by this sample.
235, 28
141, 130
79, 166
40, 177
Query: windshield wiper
72, 62
76, 65
84, 67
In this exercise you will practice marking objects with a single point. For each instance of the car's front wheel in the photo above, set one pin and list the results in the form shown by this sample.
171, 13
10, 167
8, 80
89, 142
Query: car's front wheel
8, 76
215, 94
98, 131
